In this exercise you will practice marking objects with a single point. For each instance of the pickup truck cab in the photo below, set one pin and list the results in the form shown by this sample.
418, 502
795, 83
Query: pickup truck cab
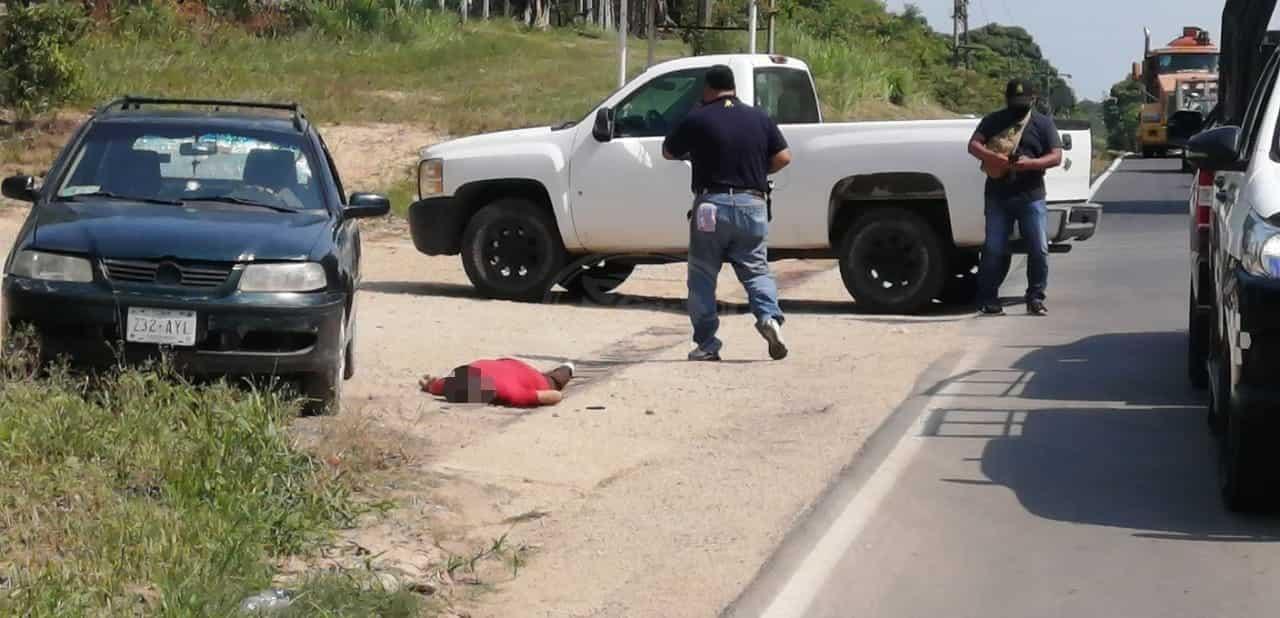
899, 204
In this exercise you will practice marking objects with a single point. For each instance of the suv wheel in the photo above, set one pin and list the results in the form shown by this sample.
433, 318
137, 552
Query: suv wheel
1197, 346
511, 250
892, 261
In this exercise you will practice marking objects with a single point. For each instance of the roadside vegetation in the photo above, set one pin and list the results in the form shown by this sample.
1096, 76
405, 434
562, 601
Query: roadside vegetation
138, 492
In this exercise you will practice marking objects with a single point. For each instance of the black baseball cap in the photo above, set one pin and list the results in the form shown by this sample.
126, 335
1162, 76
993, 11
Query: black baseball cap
1019, 92
720, 78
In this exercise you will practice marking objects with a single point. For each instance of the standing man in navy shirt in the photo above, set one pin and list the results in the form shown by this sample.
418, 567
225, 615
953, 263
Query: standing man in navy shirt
1016, 145
733, 147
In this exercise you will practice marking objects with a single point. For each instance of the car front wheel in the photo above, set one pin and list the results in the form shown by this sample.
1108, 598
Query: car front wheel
322, 391
1197, 346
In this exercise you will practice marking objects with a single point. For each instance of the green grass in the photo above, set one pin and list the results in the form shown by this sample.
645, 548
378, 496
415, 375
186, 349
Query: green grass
481, 77
138, 492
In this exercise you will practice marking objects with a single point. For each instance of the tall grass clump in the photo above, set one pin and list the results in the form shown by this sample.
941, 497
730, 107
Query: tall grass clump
137, 492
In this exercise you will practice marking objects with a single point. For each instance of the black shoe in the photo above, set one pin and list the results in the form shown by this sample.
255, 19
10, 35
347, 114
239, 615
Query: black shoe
992, 309
1036, 307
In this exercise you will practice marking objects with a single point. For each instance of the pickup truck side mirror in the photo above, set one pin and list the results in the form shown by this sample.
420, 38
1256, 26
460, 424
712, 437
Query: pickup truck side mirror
21, 188
1066, 141
603, 129
1217, 148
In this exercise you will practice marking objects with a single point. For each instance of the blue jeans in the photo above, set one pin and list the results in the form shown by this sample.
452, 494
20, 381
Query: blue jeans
1030, 217
741, 229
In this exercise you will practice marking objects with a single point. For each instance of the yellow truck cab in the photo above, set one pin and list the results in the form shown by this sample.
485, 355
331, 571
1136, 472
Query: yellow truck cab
1183, 76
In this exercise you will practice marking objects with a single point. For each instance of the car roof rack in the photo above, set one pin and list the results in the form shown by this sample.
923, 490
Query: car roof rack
135, 102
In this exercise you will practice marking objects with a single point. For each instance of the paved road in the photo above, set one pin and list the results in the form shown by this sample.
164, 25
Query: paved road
1064, 471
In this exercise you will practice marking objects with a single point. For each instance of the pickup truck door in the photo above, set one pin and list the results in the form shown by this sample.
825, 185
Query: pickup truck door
625, 196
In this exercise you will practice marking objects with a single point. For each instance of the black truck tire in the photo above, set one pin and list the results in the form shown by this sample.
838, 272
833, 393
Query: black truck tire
892, 261
512, 250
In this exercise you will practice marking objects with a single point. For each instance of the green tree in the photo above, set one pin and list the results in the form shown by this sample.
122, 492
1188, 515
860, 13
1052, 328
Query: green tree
38, 68
1120, 112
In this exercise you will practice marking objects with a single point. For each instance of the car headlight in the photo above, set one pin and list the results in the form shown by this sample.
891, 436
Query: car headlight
307, 277
1151, 116
52, 267
1261, 256
430, 178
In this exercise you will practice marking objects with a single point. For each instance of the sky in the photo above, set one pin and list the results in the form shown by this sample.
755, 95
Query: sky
1094, 41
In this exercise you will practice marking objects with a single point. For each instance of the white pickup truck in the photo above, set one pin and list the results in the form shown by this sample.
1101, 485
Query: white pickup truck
899, 204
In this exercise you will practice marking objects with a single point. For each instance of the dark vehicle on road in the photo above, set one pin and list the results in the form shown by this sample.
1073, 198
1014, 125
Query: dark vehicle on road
1200, 294
215, 233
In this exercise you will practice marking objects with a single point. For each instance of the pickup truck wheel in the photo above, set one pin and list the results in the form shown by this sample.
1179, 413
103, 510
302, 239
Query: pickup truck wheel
1246, 460
892, 261
511, 250
598, 279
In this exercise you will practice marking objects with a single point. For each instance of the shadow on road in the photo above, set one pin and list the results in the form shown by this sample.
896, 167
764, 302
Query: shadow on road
664, 304
1151, 470
1132, 368
1124, 442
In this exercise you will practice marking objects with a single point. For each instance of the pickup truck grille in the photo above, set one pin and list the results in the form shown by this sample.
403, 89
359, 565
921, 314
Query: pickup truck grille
168, 272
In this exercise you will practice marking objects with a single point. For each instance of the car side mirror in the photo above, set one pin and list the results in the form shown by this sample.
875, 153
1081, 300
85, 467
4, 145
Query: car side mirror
603, 129
21, 188
1217, 148
1066, 141
366, 205
1184, 124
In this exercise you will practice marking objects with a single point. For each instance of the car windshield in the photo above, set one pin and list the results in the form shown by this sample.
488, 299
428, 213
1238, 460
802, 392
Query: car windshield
181, 164
1183, 63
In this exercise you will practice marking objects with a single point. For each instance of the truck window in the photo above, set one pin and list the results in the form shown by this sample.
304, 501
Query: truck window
656, 107
1181, 63
787, 95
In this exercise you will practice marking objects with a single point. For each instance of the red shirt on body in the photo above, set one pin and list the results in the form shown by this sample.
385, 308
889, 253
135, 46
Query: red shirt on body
515, 382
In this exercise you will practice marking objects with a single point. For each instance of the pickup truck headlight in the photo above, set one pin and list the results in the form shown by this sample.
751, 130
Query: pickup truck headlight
1151, 116
307, 277
1261, 255
430, 178
52, 267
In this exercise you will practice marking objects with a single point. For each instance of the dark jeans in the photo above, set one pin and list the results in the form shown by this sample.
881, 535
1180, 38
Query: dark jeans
1030, 217
741, 229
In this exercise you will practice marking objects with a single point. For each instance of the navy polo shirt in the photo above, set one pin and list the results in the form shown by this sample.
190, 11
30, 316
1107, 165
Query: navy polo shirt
1038, 139
730, 144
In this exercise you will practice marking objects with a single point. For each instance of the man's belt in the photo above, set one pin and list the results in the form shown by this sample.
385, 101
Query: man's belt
732, 191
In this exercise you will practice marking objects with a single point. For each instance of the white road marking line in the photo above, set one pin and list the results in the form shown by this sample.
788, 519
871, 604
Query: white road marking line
1105, 175
802, 588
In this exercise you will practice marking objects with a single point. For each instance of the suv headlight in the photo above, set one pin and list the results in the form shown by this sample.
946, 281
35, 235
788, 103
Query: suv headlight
52, 267
430, 178
1261, 256
307, 277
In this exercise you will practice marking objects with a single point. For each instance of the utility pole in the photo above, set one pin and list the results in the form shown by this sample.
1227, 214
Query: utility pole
752, 14
622, 43
773, 11
959, 29
651, 28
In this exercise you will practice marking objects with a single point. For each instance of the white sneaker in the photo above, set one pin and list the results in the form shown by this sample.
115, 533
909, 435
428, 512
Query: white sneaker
772, 332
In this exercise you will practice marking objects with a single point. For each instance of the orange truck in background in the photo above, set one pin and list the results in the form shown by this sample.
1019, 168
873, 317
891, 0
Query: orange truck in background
1182, 76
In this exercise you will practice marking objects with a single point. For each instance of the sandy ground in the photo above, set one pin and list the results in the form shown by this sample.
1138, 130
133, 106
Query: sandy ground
658, 487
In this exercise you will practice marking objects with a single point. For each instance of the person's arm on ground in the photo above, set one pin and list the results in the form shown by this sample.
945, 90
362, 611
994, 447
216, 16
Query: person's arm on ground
434, 386
549, 398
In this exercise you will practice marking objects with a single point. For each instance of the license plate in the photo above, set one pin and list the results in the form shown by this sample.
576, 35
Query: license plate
161, 326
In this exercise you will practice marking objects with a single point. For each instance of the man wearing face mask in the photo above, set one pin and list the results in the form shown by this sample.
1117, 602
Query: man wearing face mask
1016, 145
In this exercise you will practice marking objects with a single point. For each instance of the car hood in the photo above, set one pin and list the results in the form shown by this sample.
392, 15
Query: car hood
485, 141
151, 231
